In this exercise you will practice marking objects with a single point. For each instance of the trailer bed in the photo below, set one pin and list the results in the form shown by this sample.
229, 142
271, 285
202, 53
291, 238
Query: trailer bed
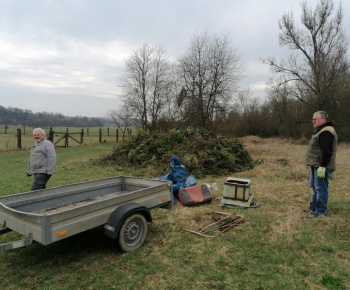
53, 214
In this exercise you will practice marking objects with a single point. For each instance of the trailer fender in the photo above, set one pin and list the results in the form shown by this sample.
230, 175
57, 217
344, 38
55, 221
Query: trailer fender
116, 219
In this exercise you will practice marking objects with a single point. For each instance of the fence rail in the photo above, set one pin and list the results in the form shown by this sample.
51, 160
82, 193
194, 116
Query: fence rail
12, 137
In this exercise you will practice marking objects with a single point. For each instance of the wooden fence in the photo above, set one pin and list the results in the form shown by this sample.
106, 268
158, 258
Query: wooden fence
64, 139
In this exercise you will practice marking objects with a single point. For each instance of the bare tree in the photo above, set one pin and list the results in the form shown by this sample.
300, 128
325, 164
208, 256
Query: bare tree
246, 102
210, 70
122, 118
287, 112
146, 83
314, 70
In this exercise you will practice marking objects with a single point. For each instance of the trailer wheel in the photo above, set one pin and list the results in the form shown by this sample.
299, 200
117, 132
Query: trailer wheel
132, 233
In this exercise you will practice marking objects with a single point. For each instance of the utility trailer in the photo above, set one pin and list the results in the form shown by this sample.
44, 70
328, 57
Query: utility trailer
120, 204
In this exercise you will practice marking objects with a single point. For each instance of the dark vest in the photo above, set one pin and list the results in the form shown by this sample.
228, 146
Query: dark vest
313, 155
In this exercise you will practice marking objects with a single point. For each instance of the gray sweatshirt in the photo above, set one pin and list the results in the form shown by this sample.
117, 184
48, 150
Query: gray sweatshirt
42, 158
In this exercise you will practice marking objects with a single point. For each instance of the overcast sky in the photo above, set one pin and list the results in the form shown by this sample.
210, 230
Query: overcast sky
65, 56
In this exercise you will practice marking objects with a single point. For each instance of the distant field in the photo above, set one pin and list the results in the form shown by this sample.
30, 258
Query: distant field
9, 141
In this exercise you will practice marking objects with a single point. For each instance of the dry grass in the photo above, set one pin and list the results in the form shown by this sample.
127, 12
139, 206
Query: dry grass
281, 181
280, 187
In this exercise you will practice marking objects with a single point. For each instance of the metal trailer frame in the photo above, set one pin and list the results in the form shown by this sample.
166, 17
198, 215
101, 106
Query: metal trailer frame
53, 214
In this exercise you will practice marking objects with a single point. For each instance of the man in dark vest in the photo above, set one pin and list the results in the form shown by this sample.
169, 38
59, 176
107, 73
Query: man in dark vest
320, 156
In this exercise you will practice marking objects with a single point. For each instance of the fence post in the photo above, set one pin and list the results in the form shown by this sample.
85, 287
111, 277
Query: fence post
87, 132
108, 131
19, 139
50, 135
100, 135
116, 135
6, 129
66, 140
82, 137
24, 129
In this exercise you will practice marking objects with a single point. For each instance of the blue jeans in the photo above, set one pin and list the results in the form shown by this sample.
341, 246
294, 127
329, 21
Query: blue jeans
319, 191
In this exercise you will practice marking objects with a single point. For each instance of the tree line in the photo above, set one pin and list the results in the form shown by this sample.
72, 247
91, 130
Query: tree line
14, 116
200, 87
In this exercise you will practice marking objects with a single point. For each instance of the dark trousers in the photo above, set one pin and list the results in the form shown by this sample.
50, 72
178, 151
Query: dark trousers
40, 180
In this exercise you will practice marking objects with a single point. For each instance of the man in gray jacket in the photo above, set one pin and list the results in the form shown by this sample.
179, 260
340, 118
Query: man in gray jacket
42, 160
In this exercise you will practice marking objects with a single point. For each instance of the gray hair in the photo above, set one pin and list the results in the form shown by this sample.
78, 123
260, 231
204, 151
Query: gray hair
41, 130
323, 114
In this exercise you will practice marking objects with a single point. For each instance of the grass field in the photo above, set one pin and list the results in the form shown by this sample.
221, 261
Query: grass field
8, 141
275, 247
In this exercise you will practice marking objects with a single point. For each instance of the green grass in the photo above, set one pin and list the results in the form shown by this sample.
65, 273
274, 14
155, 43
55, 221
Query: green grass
74, 164
275, 247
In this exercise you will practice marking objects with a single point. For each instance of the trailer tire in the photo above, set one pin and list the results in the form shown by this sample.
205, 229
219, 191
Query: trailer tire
132, 233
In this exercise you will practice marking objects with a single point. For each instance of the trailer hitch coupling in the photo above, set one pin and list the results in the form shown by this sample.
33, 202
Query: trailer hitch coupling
17, 244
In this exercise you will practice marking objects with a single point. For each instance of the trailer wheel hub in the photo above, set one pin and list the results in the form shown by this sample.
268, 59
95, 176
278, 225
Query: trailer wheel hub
132, 232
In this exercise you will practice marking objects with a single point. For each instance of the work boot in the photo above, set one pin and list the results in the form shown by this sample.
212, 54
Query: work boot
309, 210
314, 216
